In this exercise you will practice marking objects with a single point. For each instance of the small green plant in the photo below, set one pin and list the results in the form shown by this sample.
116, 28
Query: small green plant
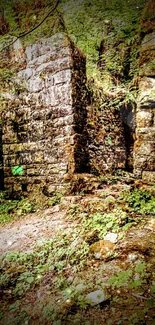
74, 211
6, 75
105, 222
120, 279
133, 278
7, 207
25, 206
55, 199
140, 201
10, 208
109, 140
76, 294
25, 269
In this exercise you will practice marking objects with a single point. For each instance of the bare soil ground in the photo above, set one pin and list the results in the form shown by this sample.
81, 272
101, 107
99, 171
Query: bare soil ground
23, 233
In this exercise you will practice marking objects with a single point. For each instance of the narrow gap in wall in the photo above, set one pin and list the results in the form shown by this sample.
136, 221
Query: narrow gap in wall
24, 187
1, 162
81, 157
129, 123
80, 101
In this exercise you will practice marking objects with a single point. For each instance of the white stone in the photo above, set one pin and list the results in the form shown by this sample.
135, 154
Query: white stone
55, 209
96, 297
111, 237
132, 257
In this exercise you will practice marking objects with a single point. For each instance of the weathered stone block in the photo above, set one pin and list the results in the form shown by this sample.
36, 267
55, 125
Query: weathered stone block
144, 119
63, 76
148, 177
63, 94
22, 158
140, 163
145, 148
50, 157
36, 170
35, 131
146, 134
150, 163
36, 85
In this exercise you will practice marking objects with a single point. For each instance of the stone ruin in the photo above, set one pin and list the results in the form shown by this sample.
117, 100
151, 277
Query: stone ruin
144, 146
47, 126
44, 122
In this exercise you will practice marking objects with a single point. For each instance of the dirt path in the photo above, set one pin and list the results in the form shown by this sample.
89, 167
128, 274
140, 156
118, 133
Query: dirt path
22, 234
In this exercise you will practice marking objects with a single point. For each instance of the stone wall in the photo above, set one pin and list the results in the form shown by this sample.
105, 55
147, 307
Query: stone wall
144, 147
106, 142
44, 119
52, 130
1, 161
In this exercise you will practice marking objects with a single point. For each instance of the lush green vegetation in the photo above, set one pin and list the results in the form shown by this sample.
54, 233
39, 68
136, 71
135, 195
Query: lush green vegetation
64, 269
87, 22
11, 208
91, 23
140, 201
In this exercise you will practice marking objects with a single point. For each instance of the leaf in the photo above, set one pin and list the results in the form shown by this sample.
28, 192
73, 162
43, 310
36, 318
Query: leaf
135, 284
127, 226
109, 140
30, 279
14, 306
150, 302
109, 225
152, 289
20, 292
120, 236
140, 267
57, 322
80, 287
115, 228
113, 280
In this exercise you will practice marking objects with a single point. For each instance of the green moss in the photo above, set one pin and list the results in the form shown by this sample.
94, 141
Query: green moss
86, 24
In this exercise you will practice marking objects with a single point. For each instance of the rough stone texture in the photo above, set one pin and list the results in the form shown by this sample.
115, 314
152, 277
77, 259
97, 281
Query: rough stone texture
144, 147
106, 140
51, 131
147, 57
1, 161
121, 56
43, 124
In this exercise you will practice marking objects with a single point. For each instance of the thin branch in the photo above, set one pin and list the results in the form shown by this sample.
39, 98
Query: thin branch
34, 28
148, 40
139, 296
